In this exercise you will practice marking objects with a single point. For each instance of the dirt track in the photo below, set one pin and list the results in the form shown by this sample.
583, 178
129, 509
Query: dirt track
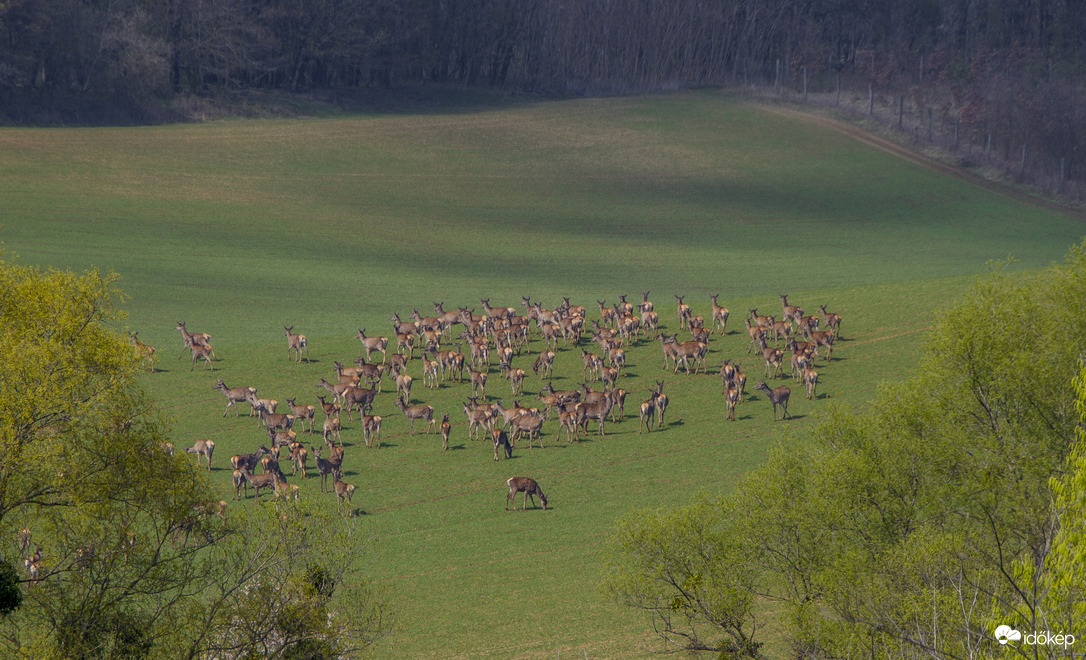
901, 151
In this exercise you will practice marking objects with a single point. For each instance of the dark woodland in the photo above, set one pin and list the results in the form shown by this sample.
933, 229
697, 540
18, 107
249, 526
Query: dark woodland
1006, 75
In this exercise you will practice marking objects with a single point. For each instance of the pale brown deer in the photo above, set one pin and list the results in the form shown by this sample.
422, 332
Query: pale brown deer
778, 396
720, 315
203, 448
420, 411
296, 343
372, 344
234, 395
830, 320
790, 312
145, 351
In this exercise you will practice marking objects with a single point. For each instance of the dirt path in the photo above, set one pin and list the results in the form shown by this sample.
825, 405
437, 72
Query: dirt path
904, 152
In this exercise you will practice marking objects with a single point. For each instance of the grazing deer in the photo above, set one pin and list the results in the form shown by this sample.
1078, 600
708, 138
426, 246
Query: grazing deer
145, 351
720, 315
779, 397
501, 442
372, 344
344, 491
421, 411
203, 448
302, 412
830, 320
234, 395
446, 429
296, 343
530, 489
544, 363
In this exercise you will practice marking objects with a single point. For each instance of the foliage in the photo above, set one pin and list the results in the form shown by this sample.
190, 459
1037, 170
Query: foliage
128, 544
908, 526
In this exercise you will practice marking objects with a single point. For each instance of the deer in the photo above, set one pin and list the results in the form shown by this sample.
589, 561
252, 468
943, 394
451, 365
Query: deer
249, 461
371, 430
421, 411
145, 351
332, 428
740, 381
258, 405
799, 361
757, 333
607, 314
773, 358
720, 315
648, 413
283, 490
530, 423
335, 389
302, 412
330, 409
661, 401
203, 448
516, 380
403, 384
592, 363
404, 327
357, 396
501, 443
497, 312
830, 320
202, 352
727, 374
731, 398
258, 481
239, 482
276, 420
822, 338
296, 343
650, 320
298, 457
810, 381
790, 312
618, 403
478, 419
779, 397
544, 363
234, 395
684, 312
686, 351
372, 344
448, 318
326, 467
344, 491
596, 409
192, 338
446, 429
616, 357
530, 489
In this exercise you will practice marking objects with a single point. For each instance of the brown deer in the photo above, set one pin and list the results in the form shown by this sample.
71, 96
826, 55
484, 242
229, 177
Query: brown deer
773, 358
731, 397
478, 420
544, 363
249, 461
192, 338
720, 315
501, 443
530, 489
830, 320
446, 429
258, 481
648, 413
296, 343
145, 351
661, 401
344, 491
357, 396
421, 411
810, 380
790, 312
298, 457
683, 311
234, 395
326, 467
202, 352
203, 448
371, 430
372, 344
779, 397
302, 412
530, 423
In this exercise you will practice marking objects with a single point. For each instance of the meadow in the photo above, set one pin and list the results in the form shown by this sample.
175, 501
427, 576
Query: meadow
332, 224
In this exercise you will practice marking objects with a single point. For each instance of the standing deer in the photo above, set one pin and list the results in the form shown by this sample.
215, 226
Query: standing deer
661, 401
810, 380
302, 412
326, 467
527, 486
372, 344
192, 338
344, 491
790, 312
684, 313
371, 430
203, 448
501, 442
202, 351
648, 413
145, 351
720, 315
779, 397
446, 429
830, 320
296, 343
421, 411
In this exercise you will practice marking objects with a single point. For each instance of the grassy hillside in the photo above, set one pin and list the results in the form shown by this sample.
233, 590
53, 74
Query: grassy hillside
241, 228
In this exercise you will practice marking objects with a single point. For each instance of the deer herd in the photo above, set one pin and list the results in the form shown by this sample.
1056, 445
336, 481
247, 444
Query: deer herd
486, 346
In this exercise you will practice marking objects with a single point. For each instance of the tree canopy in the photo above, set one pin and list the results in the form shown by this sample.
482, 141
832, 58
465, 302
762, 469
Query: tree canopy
918, 526
113, 547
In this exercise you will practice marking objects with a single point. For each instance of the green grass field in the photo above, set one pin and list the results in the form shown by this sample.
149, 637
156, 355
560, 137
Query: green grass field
330, 225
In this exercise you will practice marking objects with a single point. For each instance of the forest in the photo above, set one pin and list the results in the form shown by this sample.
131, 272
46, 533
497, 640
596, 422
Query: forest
1003, 75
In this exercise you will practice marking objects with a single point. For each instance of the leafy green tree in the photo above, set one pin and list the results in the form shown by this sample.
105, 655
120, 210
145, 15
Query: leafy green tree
910, 527
123, 550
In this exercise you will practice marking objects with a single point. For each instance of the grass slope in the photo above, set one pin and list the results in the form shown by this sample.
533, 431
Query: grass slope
243, 227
